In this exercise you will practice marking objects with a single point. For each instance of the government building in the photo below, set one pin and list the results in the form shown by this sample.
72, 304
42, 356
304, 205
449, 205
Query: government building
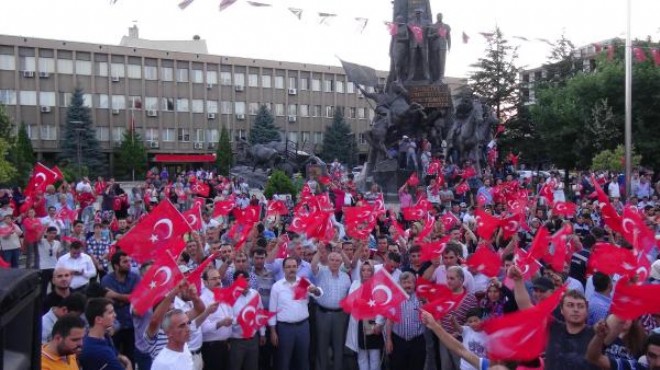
176, 93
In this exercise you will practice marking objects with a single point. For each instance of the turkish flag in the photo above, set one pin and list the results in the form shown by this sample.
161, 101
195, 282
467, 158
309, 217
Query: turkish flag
486, 224
380, 295
298, 224
42, 176
448, 221
656, 57
611, 218
300, 289
557, 255
201, 189
428, 290
283, 245
194, 217
468, 172
635, 231
511, 225
564, 209
486, 261
434, 249
521, 335
434, 168
397, 229
481, 200
602, 197
276, 207
640, 54
249, 214
547, 192
230, 294
252, 317
161, 230
58, 173
163, 276
426, 230
358, 214
199, 202
223, 207
34, 230
391, 28
443, 303
413, 180
610, 259
66, 214
539, 247
195, 277
417, 32
631, 301
413, 213
462, 188
527, 264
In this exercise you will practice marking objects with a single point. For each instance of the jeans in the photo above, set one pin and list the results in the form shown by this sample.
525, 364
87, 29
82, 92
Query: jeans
369, 359
11, 257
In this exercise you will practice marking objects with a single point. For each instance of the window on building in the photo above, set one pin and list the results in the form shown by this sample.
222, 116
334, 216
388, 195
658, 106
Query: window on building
253, 108
292, 83
225, 107
117, 134
182, 105
253, 80
199, 135
329, 111
352, 112
316, 111
47, 65
135, 102
339, 86
102, 133
7, 63
134, 71
212, 106
225, 78
241, 134
167, 105
27, 97
87, 100
269, 106
48, 132
212, 77
362, 139
361, 112
65, 99
181, 75
168, 134
293, 136
212, 135
328, 85
350, 88
279, 109
151, 134
102, 102
32, 132
102, 69
266, 81
116, 69
150, 73
150, 103
239, 79
7, 97
292, 110
239, 107
279, 82
28, 64
197, 76
304, 110
316, 84
304, 83
167, 74
318, 138
183, 134
65, 66
84, 67
118, 102
305, 137
198, 106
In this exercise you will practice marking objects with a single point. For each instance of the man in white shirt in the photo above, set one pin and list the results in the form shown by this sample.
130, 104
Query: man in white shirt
190, 302
290, 325
244, 352
84, 186
216, 329
51, 220
450, 257
175, 355
80, 264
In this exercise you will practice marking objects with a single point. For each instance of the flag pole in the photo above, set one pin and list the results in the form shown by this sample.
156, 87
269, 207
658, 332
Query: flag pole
628, 105
132, 128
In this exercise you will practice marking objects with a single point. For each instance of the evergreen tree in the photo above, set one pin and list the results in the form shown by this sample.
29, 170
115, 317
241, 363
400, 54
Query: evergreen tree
264, 129
5, 125
224, 155
495, 76
338, 141
23, 156
78, 131
132, 157
7, 171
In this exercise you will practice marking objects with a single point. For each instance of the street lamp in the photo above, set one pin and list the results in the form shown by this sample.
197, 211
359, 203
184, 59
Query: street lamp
78, 144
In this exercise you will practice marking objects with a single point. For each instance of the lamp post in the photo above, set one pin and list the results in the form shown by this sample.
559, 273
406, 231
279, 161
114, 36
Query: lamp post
78, 130
628, 105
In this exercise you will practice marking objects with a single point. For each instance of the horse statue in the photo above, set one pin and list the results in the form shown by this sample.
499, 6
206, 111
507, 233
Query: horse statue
261, 155
470, 131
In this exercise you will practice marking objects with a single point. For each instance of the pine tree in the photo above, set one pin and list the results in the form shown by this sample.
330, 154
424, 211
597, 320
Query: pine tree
495, 76
79, 132
338, 141
264, 129
132, 157
224, 155
5, 125
23, 156
7, 171
10, 154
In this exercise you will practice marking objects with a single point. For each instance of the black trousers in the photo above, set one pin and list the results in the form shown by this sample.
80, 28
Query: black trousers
124, 341
215, 355
408, 354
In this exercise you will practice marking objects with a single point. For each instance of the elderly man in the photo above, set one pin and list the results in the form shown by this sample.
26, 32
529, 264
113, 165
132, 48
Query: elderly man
216, 329
331, 320
175, 355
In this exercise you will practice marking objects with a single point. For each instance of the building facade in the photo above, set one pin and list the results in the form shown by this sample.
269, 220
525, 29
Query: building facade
178, 100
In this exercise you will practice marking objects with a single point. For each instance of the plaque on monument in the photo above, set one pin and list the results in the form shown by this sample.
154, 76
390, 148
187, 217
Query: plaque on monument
430, 96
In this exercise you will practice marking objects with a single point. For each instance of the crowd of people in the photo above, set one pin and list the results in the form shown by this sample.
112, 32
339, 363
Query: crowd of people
299, 280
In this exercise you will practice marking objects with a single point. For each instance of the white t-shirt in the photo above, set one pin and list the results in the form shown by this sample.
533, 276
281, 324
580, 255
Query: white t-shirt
172, 360
475, 342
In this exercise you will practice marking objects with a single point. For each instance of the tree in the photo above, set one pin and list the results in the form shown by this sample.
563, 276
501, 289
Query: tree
132, 157
264, 129
279, 183
7, 171
338, 141
495, 76
224, 155
23, 156
5, 124
612, 160
80, 134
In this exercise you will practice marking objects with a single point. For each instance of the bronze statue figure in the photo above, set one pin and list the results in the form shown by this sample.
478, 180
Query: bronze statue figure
439, 35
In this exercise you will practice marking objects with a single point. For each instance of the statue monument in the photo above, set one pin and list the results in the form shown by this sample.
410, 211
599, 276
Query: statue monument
415, 101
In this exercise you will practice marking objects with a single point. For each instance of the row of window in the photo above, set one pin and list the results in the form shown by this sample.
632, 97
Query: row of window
135, 71
105, 101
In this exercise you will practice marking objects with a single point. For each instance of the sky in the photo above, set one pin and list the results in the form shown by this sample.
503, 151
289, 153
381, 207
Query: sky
275, 33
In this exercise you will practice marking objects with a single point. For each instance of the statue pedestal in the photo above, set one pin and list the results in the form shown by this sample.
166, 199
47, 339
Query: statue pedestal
429, 95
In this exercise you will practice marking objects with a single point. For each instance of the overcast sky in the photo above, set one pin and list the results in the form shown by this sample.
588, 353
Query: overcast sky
275, 33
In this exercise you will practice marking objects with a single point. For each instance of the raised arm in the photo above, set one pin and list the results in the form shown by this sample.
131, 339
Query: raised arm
449, 341
519, 290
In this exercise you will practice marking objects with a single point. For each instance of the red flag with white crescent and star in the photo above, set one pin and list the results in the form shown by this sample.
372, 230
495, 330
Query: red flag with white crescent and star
160, 231
485, 261
444, 302
163, 276
566, 209
194, 217
223, 207
195, 277
230, 294
252, 317
486, 224
42, 176
277, 207
300, 289
631, 301
380, 295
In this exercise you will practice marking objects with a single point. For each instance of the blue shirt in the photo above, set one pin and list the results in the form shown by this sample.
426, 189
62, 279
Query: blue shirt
99, 354
410, 325
304, 269
599, 306
335, 288
122, 309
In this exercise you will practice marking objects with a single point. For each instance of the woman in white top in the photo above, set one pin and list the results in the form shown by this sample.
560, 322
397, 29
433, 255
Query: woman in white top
368, 347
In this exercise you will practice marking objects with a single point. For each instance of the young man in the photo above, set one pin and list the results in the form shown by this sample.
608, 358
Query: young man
60, 288
73, 304
60, 352
98, 352
175, 355
80, 264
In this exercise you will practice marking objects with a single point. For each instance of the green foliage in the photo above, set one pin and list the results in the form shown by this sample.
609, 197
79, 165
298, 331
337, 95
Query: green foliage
339, 142
279, 183
521, 137
131, 158
78, 130
264, 129
224, 155
7, 171
5, 124
495, 76
613, 160
23, 156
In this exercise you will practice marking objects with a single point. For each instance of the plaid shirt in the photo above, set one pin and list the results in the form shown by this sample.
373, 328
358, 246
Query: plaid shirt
98, 249
410, 325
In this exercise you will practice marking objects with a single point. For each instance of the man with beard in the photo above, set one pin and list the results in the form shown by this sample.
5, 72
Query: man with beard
60, 352
60, 289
